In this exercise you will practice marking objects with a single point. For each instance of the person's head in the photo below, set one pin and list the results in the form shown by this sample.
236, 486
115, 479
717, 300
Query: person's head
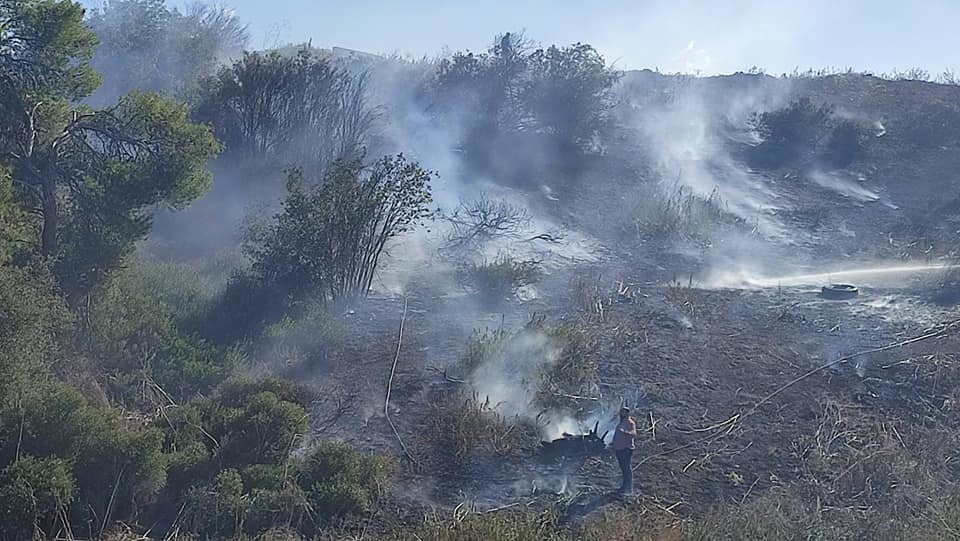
624, 413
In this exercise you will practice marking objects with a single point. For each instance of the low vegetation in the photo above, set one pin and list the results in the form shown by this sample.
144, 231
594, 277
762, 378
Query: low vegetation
303, 495
572, 374
464, 428
499, 280
679, 213
808, 132
546, 369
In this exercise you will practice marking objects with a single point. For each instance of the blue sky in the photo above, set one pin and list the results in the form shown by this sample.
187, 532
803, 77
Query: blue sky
719, 36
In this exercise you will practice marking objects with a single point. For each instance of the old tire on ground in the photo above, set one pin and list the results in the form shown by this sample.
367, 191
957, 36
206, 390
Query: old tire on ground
839, 291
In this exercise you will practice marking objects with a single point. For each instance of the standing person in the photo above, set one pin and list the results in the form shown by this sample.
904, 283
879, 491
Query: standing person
623, 445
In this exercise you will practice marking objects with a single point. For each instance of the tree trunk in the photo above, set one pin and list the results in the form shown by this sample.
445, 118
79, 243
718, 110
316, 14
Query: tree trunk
48, 245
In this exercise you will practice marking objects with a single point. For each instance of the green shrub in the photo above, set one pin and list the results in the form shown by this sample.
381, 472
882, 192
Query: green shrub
245, 422
34, 493
339, 481
332, 481
498, 280
230, 457
178, 288
137, 330
217, 509
296, 340
115, 470
228, 506
328, 239
506, 526
32, 322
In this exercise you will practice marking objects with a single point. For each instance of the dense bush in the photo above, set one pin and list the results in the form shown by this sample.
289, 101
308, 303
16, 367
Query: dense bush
843, 145
279, 332
32, 320
230, 456
339, 481
246, 305
559, 97
328, 240
803, 132
330, 483
139, 328
245, 422
498, 280
302, 339
568, 92
87, 455
34, 495
275, 109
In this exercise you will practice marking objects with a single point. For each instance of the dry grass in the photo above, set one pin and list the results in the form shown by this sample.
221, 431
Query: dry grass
505, 526
498, 280
481, 347
574, 372
463, 427
589, 298
677, 212
685, 297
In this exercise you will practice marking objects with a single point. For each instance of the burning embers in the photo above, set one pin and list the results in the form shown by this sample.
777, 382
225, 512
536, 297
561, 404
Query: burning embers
576, 444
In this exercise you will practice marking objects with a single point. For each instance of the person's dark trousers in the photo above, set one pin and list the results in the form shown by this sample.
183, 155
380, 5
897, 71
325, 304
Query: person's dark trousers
623, 458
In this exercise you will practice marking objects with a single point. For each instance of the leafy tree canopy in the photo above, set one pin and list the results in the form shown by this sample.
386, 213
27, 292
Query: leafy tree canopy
276, 109
89, 177
329, 239
565, 92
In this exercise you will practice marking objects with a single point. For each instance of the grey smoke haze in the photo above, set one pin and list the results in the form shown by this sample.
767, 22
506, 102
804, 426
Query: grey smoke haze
147, 49
690, 137
509, 380
688, 134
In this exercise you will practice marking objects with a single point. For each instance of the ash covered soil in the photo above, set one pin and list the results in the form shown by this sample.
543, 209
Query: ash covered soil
736, 389
707, 373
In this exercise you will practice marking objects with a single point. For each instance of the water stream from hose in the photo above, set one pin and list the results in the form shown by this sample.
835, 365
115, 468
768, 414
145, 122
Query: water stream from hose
871, 275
